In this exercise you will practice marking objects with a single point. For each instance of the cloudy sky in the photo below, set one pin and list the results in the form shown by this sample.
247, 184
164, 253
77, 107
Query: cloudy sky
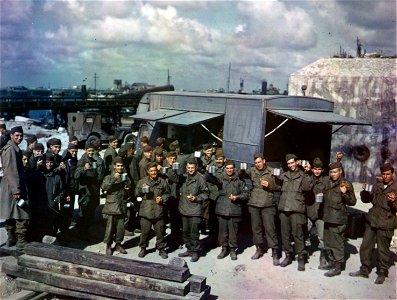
64, 43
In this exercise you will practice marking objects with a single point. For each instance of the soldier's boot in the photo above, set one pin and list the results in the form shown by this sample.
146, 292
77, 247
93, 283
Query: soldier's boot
224, 252
363, 272
276, 259
163, 254
259, 252
233, 254
301, 262
336, 270
108, 249
287, 260
323, 260
142, 253
21, 242
195, 256
187, 253
120, 249
11, 238
382, 274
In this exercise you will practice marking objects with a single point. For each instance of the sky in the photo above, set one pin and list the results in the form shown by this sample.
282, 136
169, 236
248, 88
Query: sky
65, 43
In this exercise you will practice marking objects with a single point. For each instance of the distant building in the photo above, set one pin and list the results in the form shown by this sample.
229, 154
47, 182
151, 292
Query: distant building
117, 84
362, 88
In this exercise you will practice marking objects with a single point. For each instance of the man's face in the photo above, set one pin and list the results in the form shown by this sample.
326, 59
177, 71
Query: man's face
73, 152
159, 159
25, 161
17, 137
55, 149
114, 144
317, 171
292, 165
335, 174
191, 169
152, 172
118, 167
220, 161
171, 160
49, 165
259, 163
208, 152
89, 152
229, 170
148, 154
37, 153
387, 176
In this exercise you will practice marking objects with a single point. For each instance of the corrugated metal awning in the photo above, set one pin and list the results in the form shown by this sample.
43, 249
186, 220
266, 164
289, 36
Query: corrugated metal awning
312, 116
158, 114
190, 118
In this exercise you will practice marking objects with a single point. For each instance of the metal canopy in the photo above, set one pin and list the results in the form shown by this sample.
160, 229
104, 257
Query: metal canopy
311, 116
158, 114
190, 118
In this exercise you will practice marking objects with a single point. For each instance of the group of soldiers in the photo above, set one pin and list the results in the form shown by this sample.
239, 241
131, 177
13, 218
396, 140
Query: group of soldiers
153, 186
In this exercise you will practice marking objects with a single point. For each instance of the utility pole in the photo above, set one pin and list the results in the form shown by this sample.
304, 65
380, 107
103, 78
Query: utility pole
228, 78
95, 78
168, 77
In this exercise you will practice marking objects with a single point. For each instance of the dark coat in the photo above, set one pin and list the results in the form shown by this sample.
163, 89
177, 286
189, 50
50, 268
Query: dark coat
261, 196
89, 180
315, 210
149, 208
193, 185
383, 213
292, 191
13, 182
335, 210
231, 186
116, 195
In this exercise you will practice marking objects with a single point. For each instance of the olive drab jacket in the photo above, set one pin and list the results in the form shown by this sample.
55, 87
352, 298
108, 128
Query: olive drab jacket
116, 195
89, 180
231, 186
149, 208
262, 196
294, 184
383, 212
335, 210
193, 185
314, 210
13, 182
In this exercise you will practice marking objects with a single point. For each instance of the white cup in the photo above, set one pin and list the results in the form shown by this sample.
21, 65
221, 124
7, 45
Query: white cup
320, 198
243, 166
197, 154
93, 165
164, 170
276, 172
369, 187
145, 189
130, 204
304, 163
139, 199
175, 166
211, 169
20, 202
124, 177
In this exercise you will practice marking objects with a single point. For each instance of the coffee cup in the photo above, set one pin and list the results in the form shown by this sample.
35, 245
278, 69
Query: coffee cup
243, 166
69, 162
145, 189
21, 202
175, 166
93, 165
319, 198
276, 172
130, 204
139, 199
304, 163
369, 187
211, 169
164, 170
197, 154
124, 177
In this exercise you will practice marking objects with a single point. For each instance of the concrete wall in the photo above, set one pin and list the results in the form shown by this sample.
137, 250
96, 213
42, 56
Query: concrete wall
360, 88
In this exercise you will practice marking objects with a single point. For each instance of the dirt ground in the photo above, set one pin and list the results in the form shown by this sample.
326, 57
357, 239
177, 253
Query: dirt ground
256, 279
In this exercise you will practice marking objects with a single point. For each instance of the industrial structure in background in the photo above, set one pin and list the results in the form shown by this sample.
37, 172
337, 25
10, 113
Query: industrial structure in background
364, 88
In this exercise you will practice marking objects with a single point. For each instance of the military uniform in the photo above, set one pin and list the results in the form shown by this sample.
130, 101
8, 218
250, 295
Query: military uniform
108, 158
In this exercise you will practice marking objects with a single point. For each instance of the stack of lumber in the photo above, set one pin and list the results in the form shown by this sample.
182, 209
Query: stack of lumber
87, 275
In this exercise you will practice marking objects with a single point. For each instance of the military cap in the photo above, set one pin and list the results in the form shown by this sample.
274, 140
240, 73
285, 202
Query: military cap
151, 165
112, 138
207, 146
335, 165
118, 160
16, 129
317, 163
290, 156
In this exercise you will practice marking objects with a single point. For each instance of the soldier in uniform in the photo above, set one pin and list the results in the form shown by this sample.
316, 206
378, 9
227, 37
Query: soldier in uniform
147, 158
232, 195
192, 194
13, 189
262, 208
338, 194
115, 207
155, 192
381, 221
110, 154
31, 141
292, 211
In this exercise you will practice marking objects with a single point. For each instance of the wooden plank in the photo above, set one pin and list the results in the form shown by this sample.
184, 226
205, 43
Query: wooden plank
22, 295
102, 261
197, 283
200, 296
84, 285
41, 287
121, 278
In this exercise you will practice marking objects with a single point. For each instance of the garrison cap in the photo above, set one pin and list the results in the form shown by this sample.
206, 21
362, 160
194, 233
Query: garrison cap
118, 160
290, 156
317, 163
335, 165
